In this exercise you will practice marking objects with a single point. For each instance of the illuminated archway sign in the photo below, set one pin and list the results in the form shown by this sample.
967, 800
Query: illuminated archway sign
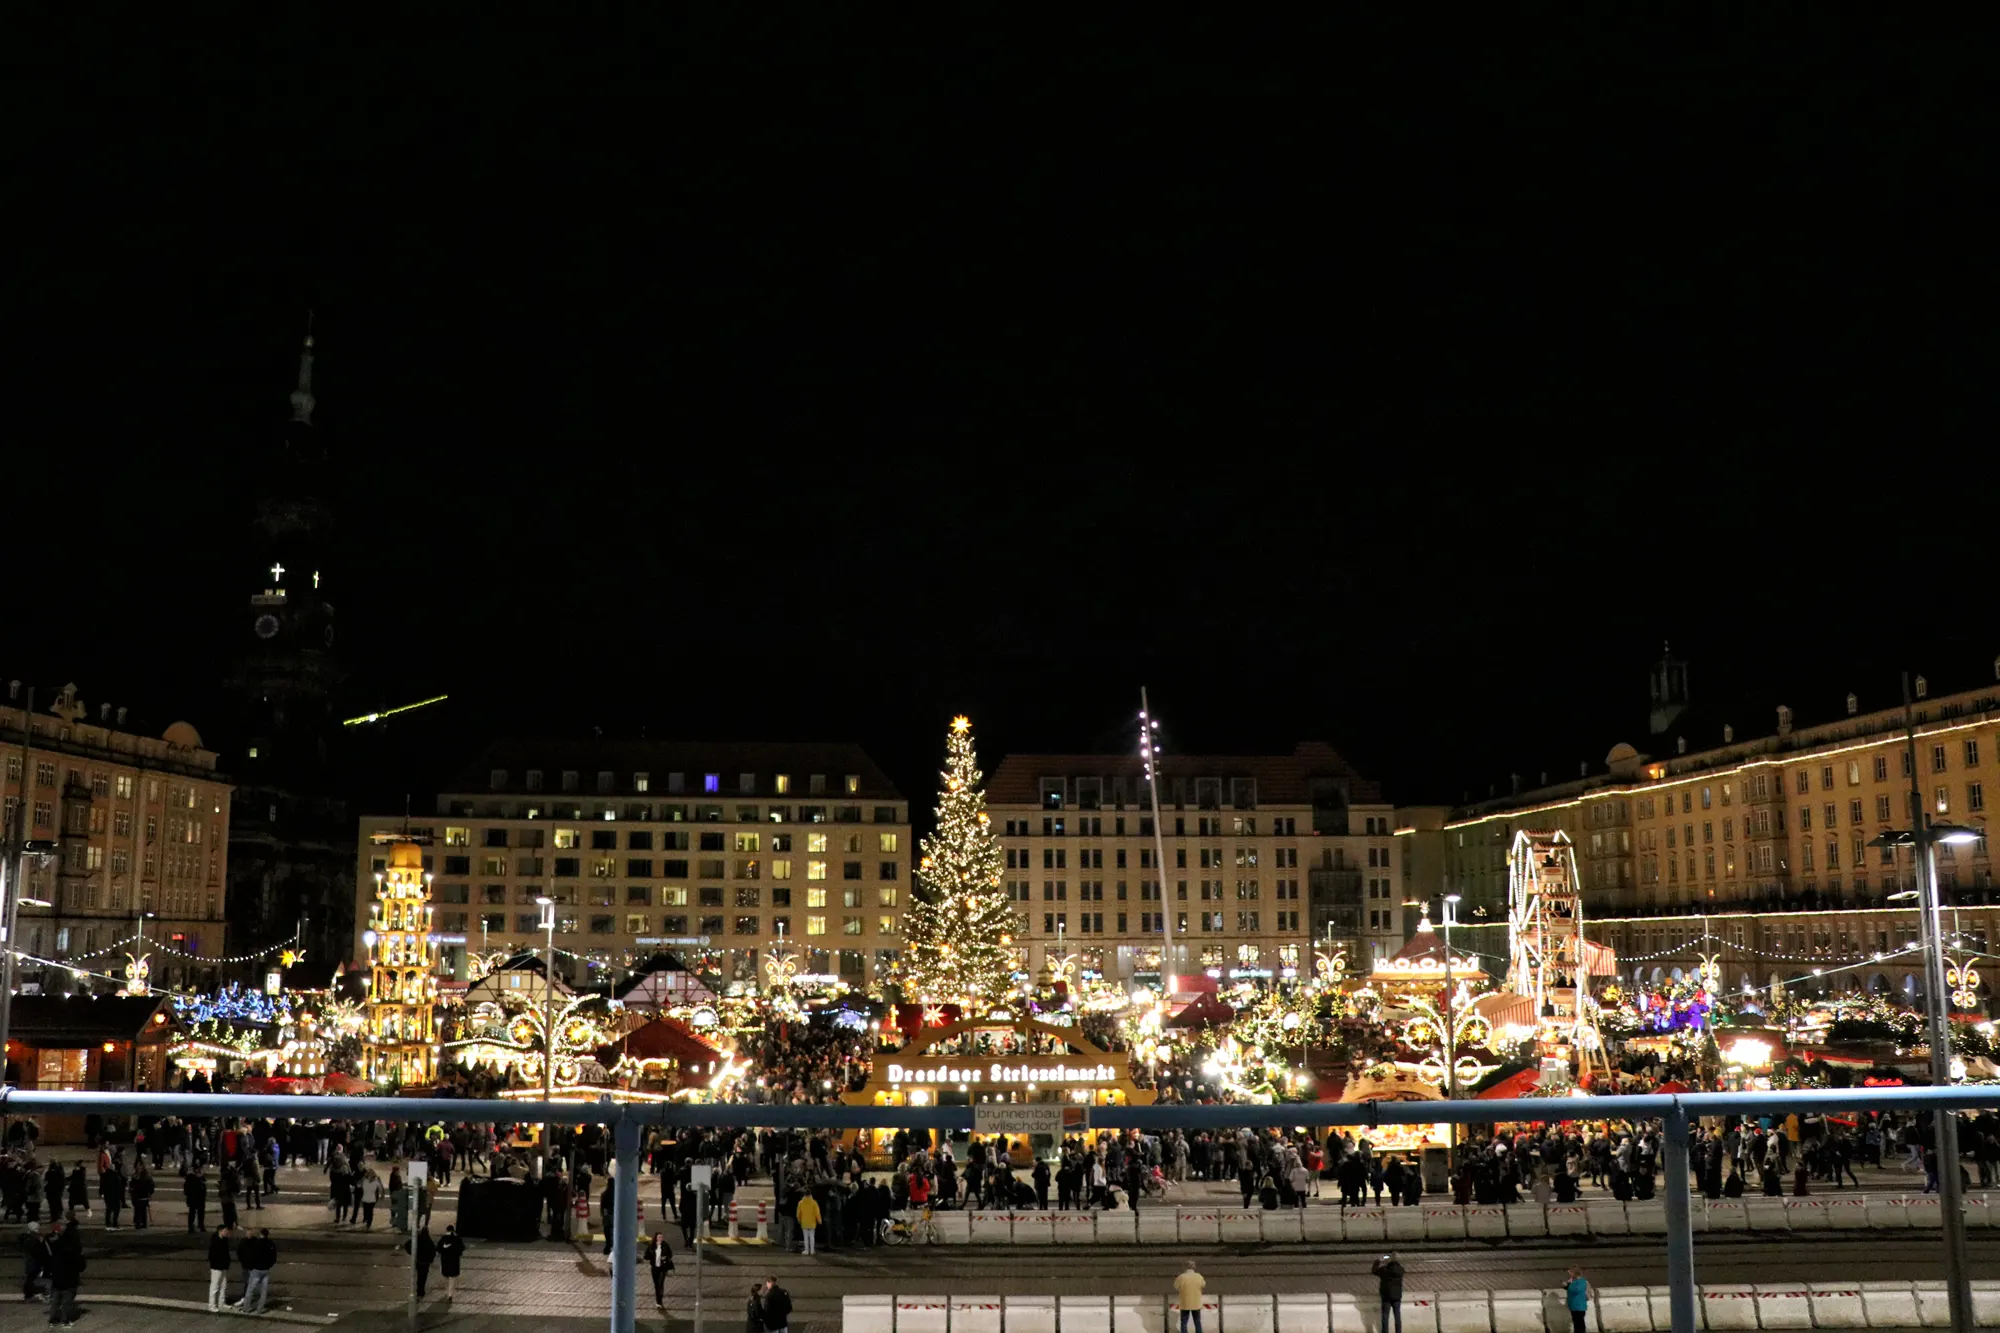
997, 1058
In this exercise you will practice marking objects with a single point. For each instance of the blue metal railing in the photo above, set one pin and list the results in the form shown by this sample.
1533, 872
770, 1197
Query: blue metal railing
627, 1118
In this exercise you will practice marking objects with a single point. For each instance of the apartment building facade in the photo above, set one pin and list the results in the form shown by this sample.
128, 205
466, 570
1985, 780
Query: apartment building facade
712, 852
1265, 855
137, 832
1758, 850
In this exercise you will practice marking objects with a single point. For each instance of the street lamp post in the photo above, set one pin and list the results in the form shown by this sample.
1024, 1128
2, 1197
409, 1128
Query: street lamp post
1921, 838
548, 906
41, 850
1450, 914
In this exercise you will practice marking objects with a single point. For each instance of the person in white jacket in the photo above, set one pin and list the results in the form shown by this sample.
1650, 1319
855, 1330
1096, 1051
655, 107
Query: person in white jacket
370, 1190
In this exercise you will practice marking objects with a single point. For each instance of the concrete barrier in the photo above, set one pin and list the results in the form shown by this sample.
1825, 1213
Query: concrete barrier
1661, 1301
1848, 1214
1443, 1222
1887, 1213
923, 1314
1985, 1302
1491, 1219
1031, 1314
1138, 1314
1401, 1224
1647, 1217
1555, 1310
1979, 1209
1566, 1219
1933, 1305
1765, 1214
1365, 1224
1251, 1312
1725, 1215
1121, 1226
1607, 1217
1154, 1226
1075, 1226
1320, 1224
1726, 1306
954, 1226
1924, 1210
868, 1314
1039, 1229
1420, 1310
1464, 1312
1283, 1227
1517, 1311
975, 1314
1807, 1215
1238, 1226
1082, 1314
1211, 1316
1302, 1312
1837, 1305
1199, 1225
992, 1228
1890, 1305
1622, 1310
1784, 1305
1343, 1314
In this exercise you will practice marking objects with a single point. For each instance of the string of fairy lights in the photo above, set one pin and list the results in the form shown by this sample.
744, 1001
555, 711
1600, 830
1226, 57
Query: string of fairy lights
166, 946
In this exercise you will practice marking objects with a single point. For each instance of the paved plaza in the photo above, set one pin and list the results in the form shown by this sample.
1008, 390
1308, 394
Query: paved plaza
350, 1279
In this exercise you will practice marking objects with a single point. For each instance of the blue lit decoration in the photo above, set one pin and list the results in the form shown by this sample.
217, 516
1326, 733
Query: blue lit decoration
849, 1019
233, 1004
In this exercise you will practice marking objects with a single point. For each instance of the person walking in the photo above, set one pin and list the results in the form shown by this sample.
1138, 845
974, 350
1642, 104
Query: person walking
426, 1254
660, 1260
808, 1216
34, 1261
65, 1269
142, 1197
1188, 1289
259, 1255
776, 1308
52, 1189
79, 1190
369, 1190
218, 1269
450, 1250
1388, 1271
112, 1185
1576, 1294
194, 1188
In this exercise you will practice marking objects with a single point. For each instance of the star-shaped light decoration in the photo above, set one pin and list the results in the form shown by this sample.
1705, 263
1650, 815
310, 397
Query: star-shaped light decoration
961, 723
291, 957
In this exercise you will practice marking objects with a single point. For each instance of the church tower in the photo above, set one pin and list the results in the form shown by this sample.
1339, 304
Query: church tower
1670, 691
290, 856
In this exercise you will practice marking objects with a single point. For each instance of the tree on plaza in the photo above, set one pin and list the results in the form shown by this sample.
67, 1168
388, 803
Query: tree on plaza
960, 925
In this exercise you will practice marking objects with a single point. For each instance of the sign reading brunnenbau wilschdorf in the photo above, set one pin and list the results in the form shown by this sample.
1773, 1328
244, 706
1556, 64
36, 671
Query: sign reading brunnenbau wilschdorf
1001, 1118
983, 1075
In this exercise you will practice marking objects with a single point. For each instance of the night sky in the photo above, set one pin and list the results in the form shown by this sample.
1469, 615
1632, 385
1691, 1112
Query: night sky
1399, 390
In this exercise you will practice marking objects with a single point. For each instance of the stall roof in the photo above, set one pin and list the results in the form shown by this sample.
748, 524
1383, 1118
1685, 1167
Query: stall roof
59, 1020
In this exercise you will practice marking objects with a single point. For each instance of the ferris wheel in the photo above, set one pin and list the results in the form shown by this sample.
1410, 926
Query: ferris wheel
1549, 963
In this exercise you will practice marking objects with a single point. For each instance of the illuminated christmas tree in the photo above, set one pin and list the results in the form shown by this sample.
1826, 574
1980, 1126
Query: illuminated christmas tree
960, 923
399, 1042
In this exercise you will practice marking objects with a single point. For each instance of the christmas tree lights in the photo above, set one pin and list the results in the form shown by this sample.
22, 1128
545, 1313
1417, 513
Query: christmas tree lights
960, 925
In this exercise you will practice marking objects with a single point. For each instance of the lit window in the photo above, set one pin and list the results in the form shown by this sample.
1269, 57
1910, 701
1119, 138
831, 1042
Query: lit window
782, 784
816, 842
815, 897
885, 925
853, 783
850, 925
747, 842
711, 782
641, 782
815, 870
781, 868
815, 925
887, 897
890, 842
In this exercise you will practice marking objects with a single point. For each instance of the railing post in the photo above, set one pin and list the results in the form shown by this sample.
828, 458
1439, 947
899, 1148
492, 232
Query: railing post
625, 1224
1680, 1222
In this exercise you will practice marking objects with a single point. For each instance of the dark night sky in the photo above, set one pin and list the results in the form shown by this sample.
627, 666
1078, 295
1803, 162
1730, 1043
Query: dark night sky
825, 383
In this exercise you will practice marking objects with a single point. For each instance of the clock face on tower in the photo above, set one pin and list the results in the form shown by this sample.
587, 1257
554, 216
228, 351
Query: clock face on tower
267, 626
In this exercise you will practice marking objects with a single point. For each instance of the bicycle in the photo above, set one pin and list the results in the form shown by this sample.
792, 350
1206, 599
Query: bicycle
904, 1229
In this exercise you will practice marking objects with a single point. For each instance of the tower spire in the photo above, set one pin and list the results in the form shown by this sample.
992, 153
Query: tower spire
302, 397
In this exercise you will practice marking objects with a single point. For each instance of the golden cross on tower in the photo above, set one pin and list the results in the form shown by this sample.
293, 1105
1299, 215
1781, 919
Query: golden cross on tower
277, 571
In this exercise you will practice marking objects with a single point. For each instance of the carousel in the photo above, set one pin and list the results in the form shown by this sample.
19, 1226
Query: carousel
996, 1058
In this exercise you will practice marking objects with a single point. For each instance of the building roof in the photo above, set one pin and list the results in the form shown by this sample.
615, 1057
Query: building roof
624, 759
79, 1020
1281, 779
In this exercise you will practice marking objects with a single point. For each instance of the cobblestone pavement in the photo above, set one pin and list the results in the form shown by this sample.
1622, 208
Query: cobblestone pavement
356, 1282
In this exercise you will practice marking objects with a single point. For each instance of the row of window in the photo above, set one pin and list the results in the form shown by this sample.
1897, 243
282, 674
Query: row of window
673, 895
1242, 826
1207, 890
642, 867
642, 923
646, 840
570, 779
1092, 923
